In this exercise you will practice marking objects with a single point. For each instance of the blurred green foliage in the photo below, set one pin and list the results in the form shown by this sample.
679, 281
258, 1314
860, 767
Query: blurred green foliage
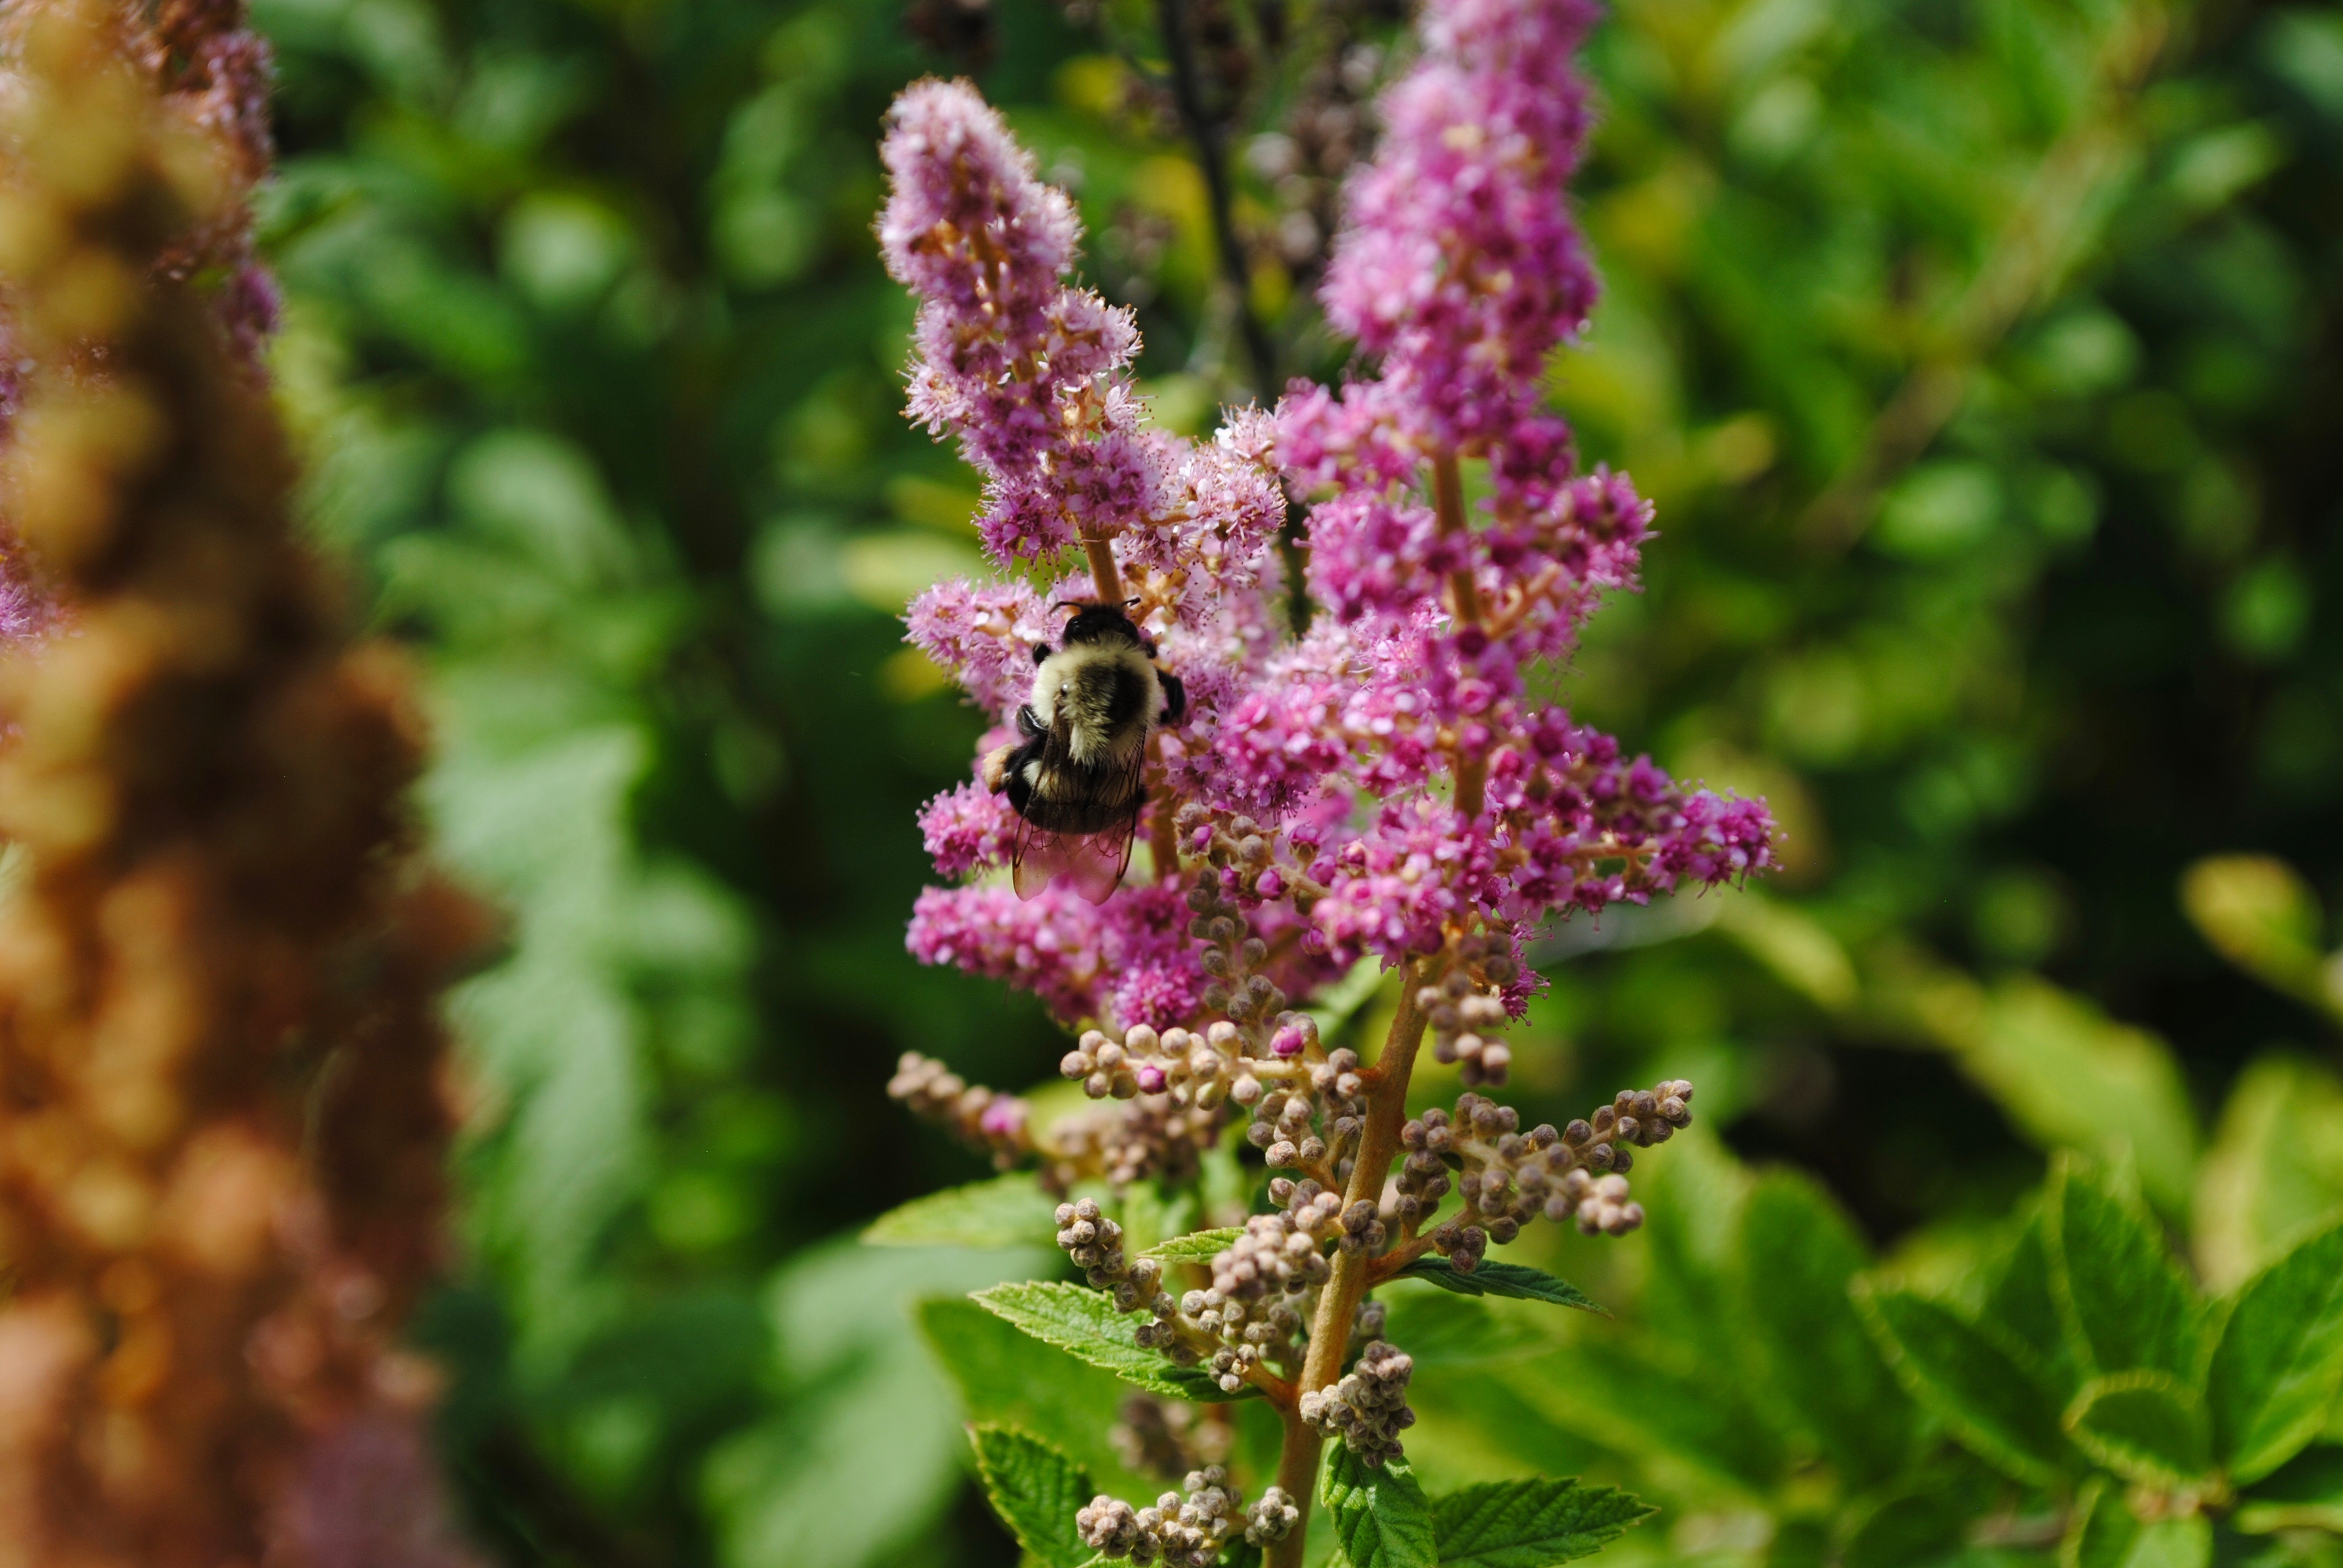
1982, 356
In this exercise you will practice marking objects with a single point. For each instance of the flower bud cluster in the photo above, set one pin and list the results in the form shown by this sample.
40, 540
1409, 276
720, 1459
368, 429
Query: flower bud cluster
1369, 1406
1243, 853
1320, 1212
1272, 1519
1314, 1124
1198, 1069
1507, 1177
1188, 1531
1463, 1023
1234, 955
1095, 1244
1148, 1137
1263, 1288
986, 1117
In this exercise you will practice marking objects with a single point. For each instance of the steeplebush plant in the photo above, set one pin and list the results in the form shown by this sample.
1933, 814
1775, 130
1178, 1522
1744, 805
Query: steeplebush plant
1383, 788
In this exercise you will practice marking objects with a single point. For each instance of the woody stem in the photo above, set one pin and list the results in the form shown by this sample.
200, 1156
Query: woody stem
1329, 1331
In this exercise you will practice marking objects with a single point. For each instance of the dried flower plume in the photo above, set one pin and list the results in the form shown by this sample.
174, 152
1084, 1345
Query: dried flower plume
222, 1128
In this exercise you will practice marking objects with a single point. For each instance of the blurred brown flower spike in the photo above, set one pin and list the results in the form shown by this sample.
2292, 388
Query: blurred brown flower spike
222, 1113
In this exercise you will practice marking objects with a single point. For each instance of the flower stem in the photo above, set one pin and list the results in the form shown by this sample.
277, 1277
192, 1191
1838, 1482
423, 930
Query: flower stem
1448, 498
1102, 569
1329, 1333
1297, 1473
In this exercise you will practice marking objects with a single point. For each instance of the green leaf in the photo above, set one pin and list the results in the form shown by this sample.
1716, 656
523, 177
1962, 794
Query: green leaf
1515, 1281
2274, 1170
1379, 1515
2146, 1426
2304, 1493
1009, 1212
868, 1414
1799, 1254
1926, 1518
1692, 1241
1083, 1323
2072, 1078
1985, 1390
1036, 1489
1636, 1394
1007, 1378
1198, 1247
1530, 1523
2102, 1533
2279, 1361
2123, 1302
1440, 1330
2174, 1544
2019, 1300
2261, 916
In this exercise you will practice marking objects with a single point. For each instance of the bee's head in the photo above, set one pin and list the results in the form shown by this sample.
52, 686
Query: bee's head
1094, 622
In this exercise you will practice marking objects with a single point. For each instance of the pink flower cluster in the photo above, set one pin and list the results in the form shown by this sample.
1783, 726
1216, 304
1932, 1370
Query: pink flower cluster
1384, 784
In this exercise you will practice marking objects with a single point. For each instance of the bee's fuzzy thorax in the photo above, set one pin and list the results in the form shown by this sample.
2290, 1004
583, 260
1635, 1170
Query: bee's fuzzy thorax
1103, 693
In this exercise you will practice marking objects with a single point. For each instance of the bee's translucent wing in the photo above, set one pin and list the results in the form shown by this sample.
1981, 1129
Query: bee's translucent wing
1096, 863
1037, 857
1091, 864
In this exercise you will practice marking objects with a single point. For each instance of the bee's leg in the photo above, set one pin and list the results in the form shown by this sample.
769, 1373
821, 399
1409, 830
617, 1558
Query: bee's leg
1041, 653
1028, 725
1175, 697
1014, 783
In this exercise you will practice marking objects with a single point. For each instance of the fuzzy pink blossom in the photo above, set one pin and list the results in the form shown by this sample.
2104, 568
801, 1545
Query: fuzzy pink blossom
1385, 784
1029, 372
1459, 264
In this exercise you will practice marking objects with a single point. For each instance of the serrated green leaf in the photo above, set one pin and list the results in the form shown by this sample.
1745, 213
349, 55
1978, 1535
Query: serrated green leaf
1694, 1198
2019, 1299
1009, 1212
1515, 1281
1926, 1519
2279, 1361
1007, 1378
1633, 1398
1799, 1255
2100, 1530
1083, 1323
1197, 1247
2304, 1493
2173, 1543
1379, 1515
1036, 1489
1530, 1523
1984, 1387
2103, 1533
1440, 1330
2124, 1305
2146, 1426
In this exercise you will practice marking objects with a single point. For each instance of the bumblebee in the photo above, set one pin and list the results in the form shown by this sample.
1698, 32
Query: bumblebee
1075, 776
